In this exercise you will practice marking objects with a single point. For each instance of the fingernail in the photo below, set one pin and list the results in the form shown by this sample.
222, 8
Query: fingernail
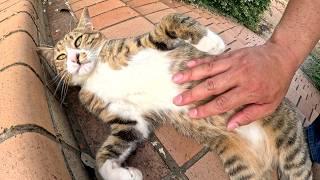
191, 63
193, 113
178, 77
232, 126
177, 99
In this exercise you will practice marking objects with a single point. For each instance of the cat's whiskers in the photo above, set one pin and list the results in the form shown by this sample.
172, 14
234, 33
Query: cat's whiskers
65, 90
61, 79
62, 92
54, 80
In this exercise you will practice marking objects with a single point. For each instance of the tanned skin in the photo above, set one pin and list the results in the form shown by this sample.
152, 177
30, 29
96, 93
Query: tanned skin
256, 78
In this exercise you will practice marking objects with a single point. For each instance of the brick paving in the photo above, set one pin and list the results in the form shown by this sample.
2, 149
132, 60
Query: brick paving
33, 114
191, 160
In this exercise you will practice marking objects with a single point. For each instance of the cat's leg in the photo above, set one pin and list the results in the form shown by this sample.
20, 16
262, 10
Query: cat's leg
178, 26
125, 134
294, 160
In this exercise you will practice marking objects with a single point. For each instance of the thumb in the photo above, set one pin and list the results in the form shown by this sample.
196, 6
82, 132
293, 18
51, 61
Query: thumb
249, 114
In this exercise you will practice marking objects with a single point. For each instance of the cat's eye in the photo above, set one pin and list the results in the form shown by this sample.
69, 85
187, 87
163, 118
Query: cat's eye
78, 41
61, 57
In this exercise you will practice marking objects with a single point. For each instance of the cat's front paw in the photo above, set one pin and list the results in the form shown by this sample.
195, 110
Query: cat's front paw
211, 43
111, 170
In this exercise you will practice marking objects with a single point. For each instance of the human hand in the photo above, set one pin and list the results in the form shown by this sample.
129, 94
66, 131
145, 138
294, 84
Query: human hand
256, 78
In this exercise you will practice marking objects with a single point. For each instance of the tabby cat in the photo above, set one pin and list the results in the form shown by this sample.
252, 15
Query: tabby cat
127, 84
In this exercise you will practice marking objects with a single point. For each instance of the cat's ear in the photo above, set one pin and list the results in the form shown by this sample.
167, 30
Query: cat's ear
85, 20
47, 54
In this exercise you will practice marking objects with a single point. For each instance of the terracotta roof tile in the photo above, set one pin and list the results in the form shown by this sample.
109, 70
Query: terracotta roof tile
13, 25
20, 87
31, 156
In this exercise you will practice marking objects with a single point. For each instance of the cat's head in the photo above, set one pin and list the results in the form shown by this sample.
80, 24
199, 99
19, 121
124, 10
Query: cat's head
75, 56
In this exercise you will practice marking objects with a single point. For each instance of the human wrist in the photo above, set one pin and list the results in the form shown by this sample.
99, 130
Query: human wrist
288, 56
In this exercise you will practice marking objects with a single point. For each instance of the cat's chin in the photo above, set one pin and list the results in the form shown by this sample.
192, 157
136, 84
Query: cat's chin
86, 69
82, 69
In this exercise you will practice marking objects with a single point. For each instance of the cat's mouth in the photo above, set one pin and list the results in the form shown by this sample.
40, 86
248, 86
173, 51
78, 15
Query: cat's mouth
80, 69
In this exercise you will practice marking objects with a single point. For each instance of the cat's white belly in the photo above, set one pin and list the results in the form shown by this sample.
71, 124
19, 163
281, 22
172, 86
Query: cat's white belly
144, 85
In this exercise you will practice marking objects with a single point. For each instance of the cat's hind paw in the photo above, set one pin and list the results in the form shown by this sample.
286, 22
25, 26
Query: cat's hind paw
111, 170
211, 43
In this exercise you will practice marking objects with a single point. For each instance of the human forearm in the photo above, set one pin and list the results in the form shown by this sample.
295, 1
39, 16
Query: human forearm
298, 31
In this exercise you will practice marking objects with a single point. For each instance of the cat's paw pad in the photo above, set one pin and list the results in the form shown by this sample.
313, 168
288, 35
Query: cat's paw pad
211, 43
111, 170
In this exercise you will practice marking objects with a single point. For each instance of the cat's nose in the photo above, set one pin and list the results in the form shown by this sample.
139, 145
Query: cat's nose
78, 58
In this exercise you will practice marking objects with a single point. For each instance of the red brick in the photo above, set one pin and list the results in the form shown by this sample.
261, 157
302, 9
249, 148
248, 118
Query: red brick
136, 3
113, 17
104, 6
157, 16
192, 14
208, 167
150, 8
84, 3
172, 3
180, 147
236, 45
122, 31
206, 14
204, 21
198, 10
237, 30
73, 1
217, 28
227, 36
182, 9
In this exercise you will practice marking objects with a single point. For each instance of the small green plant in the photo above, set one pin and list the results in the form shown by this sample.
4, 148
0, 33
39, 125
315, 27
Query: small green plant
248, 12
311, 67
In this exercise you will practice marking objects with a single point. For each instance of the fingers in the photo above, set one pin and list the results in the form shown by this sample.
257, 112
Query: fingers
201, 71
223, 103
212, 86
249, 114
196, 62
